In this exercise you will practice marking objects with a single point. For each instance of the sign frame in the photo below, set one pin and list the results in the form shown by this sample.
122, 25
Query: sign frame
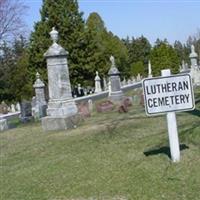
174, 110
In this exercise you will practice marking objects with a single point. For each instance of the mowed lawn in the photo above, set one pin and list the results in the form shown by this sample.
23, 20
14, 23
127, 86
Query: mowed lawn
108, 156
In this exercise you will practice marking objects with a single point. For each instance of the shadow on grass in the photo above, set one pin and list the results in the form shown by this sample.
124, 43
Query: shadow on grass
195, 112
163, 150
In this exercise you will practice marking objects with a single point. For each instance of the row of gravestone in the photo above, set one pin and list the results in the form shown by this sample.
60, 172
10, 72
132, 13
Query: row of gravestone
86, 108
4, 108
79, 91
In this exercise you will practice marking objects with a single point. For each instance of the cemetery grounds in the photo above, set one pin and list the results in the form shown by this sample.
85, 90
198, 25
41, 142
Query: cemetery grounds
108, 156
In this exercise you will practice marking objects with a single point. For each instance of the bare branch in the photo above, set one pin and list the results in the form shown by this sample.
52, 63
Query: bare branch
11, 23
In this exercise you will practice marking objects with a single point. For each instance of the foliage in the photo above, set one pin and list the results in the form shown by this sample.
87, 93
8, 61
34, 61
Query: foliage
99, 45
138, 54
11, 22
14, 80
6, 65
137, 68
182, 51
163, 56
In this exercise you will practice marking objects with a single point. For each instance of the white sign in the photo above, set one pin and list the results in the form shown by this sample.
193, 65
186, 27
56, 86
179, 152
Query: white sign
168, 94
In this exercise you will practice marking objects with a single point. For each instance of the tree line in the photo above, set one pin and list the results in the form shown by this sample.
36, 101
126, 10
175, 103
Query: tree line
89, 45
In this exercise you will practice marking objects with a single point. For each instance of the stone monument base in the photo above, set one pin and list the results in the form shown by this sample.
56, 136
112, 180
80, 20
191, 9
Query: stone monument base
53, 123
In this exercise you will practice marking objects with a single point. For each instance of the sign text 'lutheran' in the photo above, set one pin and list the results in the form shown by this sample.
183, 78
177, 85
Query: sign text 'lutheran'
165, 94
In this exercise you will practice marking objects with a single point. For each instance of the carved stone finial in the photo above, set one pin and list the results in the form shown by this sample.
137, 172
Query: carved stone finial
54, 35
37, 75
38, 83
112, 59
97, 73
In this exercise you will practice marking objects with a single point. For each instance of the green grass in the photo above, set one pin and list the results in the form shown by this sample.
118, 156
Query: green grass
102, 159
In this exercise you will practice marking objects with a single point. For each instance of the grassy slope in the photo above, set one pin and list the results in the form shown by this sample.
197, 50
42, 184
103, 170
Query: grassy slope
102, 159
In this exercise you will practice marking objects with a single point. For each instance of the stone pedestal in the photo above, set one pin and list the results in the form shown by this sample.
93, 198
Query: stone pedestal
40, 103
61, 106
195, 69
115, 93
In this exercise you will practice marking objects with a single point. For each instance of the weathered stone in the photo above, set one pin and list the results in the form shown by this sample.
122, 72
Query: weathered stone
40, 104
61, 106
195, 69
127, 101
83, 109
122, 108
3, 108
51, 123
26, 111
90, 105
105, 106
3, 124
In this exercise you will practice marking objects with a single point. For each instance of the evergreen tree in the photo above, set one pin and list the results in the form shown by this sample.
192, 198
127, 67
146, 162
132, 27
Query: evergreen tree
14, 82
163, 56
6, 65
138, 54
66, 18
101, 44
182, 51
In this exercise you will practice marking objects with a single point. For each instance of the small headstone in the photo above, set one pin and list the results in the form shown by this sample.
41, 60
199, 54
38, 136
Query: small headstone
3, 124
13, 108
26, 111
133, 79
18, 107
138, 77
136, 99
83, 109
123, 83
3, 108
127, 101
129, 81
105, 85
90, 105
105, 106
141, 99
85, 91
80, 90
122, 108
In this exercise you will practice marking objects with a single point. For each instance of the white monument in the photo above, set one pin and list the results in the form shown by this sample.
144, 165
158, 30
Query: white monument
149, 70
97, 83
62, 110
195, 69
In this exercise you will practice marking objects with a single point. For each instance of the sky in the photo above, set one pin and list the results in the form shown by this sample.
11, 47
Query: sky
171, 19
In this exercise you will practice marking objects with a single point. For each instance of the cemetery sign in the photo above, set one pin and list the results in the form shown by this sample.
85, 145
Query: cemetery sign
168, 94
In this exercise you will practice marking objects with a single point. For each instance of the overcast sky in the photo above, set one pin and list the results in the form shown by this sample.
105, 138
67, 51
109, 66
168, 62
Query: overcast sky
171, 19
